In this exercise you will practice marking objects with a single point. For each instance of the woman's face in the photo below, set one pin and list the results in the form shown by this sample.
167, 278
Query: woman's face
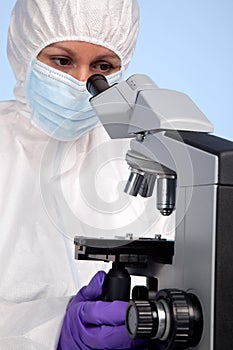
80, 59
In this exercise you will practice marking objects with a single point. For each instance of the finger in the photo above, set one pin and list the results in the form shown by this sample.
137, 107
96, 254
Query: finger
93, 290
102, 312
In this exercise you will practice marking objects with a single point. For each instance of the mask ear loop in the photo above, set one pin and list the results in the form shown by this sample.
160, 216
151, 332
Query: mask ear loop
27, 80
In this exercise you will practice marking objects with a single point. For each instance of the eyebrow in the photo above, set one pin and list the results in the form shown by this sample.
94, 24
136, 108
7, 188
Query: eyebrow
99, 57
107, 56
57, 46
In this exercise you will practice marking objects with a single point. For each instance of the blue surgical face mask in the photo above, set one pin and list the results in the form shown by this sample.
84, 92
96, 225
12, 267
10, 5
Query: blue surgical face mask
60, 103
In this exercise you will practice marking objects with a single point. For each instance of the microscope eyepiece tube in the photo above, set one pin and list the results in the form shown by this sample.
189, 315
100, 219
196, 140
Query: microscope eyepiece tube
96, 84
166, 194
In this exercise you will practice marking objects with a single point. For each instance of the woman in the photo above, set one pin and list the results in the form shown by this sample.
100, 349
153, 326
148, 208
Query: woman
47, 136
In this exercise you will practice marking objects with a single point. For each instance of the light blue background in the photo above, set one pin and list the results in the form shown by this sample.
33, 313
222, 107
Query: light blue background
186, 45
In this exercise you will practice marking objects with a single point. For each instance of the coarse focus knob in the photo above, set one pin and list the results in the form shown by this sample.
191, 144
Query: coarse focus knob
173, 318
179, 317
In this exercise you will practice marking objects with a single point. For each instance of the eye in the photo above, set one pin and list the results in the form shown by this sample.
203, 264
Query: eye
103, 67
61, 61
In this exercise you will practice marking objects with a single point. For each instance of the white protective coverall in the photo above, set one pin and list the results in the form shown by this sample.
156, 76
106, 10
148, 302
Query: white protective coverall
51, 191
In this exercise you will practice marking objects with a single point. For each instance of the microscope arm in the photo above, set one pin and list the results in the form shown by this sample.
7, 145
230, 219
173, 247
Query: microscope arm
137, 105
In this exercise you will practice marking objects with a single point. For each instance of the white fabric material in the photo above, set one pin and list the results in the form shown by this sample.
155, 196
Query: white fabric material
51, 191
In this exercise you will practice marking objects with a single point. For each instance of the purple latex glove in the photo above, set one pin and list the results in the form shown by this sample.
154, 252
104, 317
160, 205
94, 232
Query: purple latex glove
90, 323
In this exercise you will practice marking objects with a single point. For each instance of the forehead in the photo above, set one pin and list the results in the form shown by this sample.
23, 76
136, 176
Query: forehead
80, 48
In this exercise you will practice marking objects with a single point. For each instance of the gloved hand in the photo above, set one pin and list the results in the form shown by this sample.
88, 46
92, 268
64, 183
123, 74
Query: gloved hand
90, 323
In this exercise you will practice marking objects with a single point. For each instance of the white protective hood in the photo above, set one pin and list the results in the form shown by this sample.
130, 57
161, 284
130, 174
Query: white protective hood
51, 191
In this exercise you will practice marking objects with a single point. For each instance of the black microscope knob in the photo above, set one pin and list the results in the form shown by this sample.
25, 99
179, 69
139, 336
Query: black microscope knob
139, 319
173, 318
186, 320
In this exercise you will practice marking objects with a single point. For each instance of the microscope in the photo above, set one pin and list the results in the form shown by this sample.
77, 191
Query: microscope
187, 302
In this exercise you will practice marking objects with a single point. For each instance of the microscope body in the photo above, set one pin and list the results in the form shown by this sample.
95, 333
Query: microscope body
202, 262
172, 148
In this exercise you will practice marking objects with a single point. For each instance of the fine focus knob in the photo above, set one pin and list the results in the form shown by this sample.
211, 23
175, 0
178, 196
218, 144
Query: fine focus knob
140, 319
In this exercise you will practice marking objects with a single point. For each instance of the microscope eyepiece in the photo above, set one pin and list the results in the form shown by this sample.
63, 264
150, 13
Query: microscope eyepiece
96, 84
